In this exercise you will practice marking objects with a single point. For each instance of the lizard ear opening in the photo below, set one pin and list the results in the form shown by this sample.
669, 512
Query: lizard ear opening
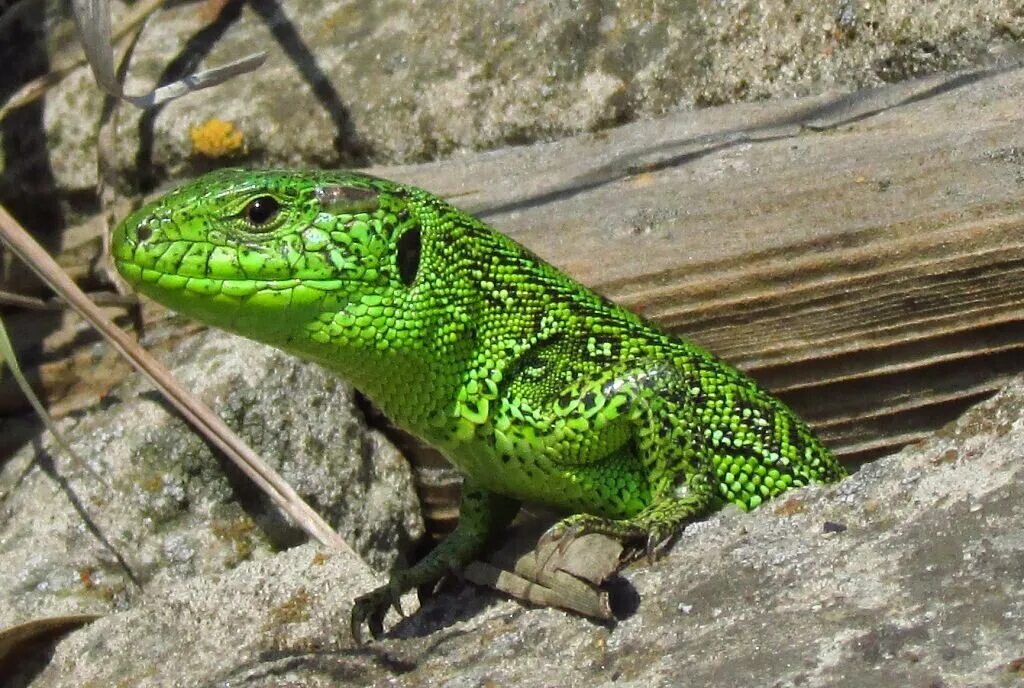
408, 255
347, 199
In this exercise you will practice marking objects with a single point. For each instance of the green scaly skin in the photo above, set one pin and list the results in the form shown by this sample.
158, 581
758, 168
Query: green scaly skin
535, 387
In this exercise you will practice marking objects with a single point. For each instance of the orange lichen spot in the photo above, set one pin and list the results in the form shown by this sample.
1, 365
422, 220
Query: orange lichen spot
643, 179
216, 138
85, 575
791, 507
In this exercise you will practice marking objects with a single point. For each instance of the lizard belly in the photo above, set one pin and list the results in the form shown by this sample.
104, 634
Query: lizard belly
613, 486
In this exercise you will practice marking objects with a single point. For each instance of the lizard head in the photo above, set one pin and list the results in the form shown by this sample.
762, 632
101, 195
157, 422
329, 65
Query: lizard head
296, 259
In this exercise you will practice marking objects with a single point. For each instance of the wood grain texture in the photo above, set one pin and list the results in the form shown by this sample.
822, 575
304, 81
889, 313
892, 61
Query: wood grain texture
862, 255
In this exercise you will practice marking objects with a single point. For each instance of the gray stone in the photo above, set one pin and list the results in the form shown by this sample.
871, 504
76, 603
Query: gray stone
170, 508
259, 624
349, 82
906, 573
766, 49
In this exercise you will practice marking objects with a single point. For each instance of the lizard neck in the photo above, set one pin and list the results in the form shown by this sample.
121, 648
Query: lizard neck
412, 378
407, 386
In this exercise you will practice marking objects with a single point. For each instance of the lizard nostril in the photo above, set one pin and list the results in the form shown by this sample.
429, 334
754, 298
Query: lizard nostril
144, 232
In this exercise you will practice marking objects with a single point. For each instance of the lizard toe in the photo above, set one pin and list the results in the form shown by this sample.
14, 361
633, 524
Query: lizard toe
395, 601
659, 540
369, 610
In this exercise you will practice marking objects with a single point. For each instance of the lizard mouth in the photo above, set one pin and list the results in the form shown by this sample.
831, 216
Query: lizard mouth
148, 280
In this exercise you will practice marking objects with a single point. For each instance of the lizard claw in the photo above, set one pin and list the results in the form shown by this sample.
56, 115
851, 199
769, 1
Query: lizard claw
658, 542
371, 608
551, 536
651, 547
368, 610
556, 540
396, 600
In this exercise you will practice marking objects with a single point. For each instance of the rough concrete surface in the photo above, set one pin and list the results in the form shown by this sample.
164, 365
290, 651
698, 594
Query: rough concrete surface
908, 573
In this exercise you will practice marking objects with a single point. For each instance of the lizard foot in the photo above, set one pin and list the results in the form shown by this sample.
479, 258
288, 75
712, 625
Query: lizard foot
649, 533
371, 608
651, 539
481, 514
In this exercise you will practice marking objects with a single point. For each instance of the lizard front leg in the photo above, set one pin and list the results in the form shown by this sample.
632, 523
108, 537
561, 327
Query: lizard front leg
482, 514
649, 532
655, 402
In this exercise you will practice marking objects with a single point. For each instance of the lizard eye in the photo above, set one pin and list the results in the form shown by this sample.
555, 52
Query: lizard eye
261, 210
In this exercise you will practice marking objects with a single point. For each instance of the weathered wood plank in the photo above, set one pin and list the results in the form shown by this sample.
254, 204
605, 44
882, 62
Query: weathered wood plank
863, 256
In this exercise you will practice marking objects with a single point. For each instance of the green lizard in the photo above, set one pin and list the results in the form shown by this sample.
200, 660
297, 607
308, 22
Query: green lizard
535, 387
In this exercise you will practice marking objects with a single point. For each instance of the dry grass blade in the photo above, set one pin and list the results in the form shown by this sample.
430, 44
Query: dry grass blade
14, 638
573, 578
194, 410
93, 20
8, 359
65, 64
